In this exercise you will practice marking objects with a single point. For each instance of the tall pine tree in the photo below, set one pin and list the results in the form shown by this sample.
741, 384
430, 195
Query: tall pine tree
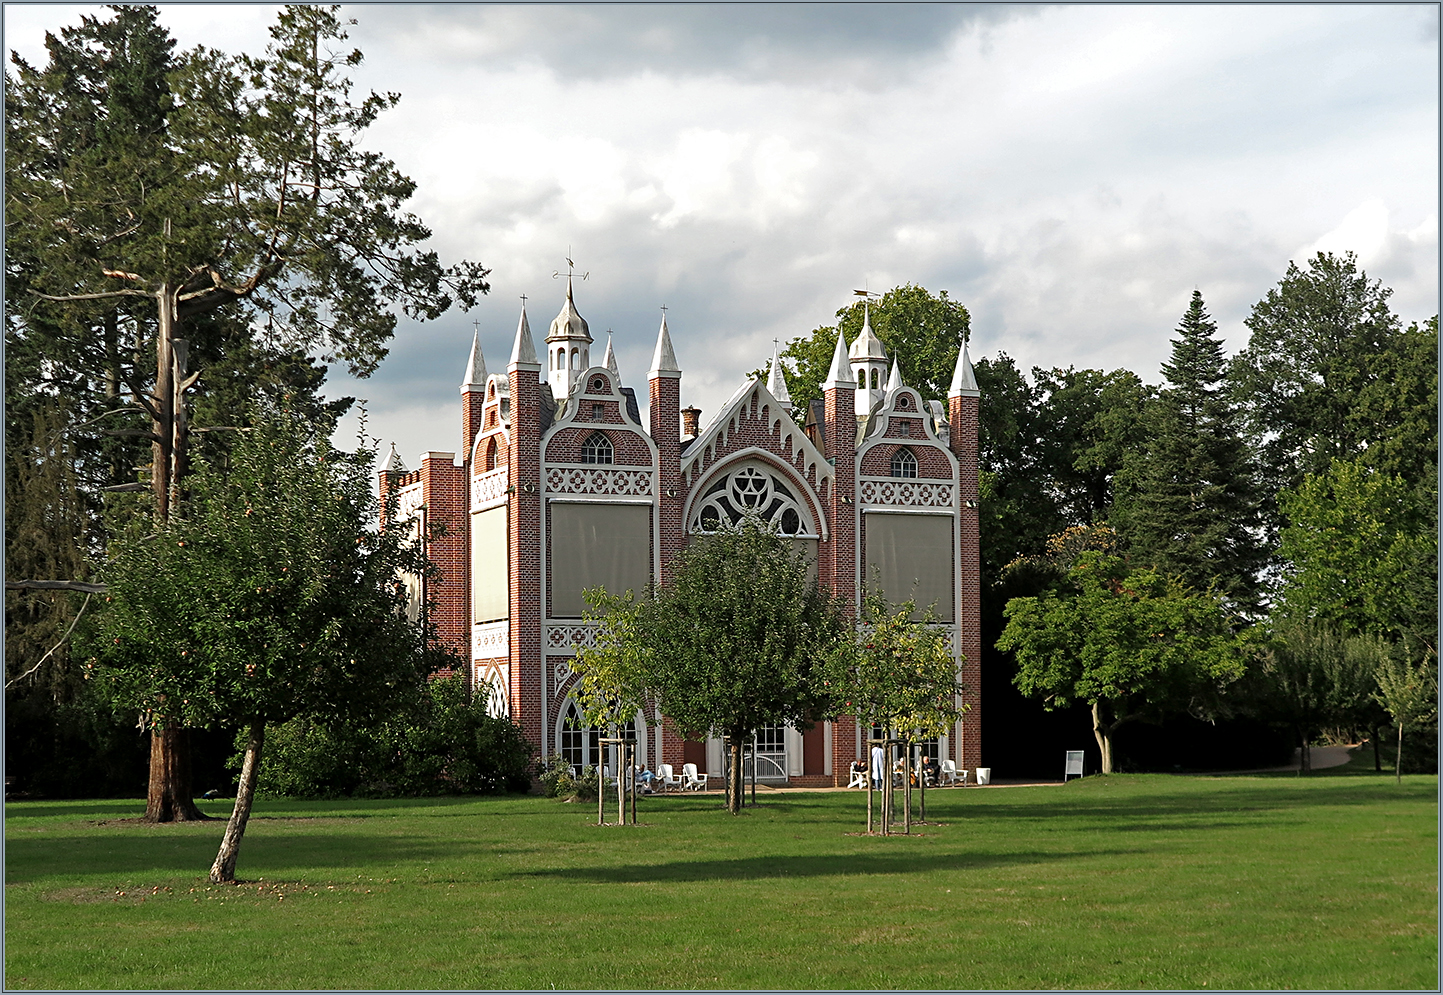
1186, 502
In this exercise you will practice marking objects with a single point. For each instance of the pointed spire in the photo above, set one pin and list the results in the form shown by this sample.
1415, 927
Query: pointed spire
895, 380
523, 351
777, 381
395, 464
964, 381
663, 360
840, 375
610, 360
475, 378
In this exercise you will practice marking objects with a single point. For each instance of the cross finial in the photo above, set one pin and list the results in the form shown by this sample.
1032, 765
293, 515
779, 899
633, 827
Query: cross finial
570, 268
523, 300
663, 307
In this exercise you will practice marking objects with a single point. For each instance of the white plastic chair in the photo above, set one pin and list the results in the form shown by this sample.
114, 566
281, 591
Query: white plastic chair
949, 773
691, 779
859, 779
667, 780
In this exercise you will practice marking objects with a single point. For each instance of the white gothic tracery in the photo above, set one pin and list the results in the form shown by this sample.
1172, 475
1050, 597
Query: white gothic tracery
751, 490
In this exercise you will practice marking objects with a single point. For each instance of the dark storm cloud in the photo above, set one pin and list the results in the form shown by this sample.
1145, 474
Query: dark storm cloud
754, 41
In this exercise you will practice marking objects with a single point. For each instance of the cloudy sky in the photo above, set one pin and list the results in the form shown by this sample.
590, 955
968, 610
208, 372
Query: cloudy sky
1071, 174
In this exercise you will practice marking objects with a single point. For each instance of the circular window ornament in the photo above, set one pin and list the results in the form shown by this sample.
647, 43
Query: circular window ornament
751, 490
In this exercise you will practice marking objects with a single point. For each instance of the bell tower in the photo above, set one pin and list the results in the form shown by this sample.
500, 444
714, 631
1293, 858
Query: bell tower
868, 359
568, 348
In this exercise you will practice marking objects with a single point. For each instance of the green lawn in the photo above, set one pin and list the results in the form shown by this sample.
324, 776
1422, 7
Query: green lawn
1144, 881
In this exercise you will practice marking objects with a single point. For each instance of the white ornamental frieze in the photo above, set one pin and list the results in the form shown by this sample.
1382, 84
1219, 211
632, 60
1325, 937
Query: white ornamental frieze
907, 493
598, 480
489, 489
491, 640
564, 637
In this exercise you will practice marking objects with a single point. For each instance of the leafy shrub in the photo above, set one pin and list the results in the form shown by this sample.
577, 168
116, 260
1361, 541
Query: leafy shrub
441, 742
557, 779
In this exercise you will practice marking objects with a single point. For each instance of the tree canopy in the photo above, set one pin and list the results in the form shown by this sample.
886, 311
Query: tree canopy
739, 638
272, 598
1130, 643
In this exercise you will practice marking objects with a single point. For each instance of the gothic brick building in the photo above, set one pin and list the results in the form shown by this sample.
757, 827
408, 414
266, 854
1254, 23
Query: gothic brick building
559, 487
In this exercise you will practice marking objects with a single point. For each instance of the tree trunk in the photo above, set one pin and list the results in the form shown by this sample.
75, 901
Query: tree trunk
1103, 733
736, 784
168, 796
1377, 760
223, 870
1398, 767
1305, 754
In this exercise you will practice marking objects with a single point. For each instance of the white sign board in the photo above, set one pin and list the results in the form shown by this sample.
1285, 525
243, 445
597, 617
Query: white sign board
1074, 764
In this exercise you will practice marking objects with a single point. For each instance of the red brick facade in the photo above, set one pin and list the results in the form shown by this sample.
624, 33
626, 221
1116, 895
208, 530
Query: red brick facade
523, 451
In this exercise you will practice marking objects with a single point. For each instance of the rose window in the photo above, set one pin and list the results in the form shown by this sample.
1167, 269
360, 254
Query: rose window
750, 490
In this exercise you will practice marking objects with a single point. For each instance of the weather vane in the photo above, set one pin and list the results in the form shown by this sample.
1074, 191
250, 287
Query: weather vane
570, 266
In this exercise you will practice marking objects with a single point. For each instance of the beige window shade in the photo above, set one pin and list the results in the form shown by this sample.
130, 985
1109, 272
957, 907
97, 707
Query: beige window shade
597, 545
490, 571
908, 550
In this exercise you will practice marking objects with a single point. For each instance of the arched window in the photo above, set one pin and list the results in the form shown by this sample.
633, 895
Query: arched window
874, 379
580, 744
597, 449
576, 359
861, 379
489, 459
904, 464
751, 490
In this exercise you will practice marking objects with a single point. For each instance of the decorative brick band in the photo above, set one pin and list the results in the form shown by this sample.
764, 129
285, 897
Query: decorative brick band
489, 489
908, 493
491, 640
564, 637
598, 480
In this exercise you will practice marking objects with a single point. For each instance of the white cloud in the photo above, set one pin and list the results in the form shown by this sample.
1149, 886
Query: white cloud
1071, 174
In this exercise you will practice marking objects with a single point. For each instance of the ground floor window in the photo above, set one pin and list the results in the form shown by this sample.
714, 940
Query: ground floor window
580, 744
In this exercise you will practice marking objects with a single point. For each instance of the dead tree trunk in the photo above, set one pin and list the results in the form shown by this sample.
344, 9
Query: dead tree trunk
223, 870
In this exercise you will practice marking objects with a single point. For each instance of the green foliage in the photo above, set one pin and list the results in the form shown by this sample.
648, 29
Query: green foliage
248, 183
1185, 497
738, 638
1131, 643
899, 673
1360, 552
274, 597
1408, 691
1329, 373
558, 781
1310, 676
441, 742
922, 331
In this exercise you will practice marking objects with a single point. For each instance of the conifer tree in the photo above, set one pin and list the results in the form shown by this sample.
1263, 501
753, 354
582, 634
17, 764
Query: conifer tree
1186, 502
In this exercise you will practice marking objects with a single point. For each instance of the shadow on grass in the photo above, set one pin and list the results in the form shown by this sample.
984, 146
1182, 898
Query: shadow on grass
55, 855
811, 865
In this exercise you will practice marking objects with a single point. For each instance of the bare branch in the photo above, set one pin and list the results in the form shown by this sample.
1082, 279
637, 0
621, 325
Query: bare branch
83, 587
11, 683
92, 297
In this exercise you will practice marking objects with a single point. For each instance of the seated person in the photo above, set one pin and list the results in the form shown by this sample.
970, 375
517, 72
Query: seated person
646, 778
931, 769
859, 766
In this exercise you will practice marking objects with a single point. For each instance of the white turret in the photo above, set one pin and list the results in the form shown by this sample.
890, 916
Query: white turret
964, 381
868, 357
475, 379
568, 347
663, 359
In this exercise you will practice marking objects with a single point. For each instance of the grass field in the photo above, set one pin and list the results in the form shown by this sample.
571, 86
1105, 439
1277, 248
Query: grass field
1145, 881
